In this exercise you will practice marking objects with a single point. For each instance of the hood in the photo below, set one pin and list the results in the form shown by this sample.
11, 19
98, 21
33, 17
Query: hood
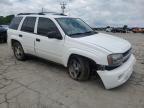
108, 42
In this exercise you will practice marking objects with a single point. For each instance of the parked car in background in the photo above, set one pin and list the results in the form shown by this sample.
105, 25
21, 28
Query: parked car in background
108, 29
142, 30
3, 33
138, 30
118, 30
72, 43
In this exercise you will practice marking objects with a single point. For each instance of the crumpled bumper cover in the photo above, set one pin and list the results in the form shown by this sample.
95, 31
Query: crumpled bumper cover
118, 76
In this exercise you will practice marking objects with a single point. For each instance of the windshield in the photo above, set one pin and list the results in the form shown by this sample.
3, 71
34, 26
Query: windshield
74, 26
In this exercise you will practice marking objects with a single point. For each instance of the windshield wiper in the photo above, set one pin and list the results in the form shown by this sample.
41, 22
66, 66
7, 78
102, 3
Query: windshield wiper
83, 33
76, 34
93, 32
89, 32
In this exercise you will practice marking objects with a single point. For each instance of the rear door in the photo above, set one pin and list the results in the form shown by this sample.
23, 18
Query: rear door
13, 29
51, 49
28, 34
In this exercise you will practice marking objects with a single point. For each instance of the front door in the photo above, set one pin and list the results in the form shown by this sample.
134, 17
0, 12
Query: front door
49, 48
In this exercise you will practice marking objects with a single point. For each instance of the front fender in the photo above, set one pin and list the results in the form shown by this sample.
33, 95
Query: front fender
98, 57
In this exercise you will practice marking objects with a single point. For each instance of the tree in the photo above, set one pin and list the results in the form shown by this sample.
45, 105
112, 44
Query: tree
108, 27
6, 20
125, 27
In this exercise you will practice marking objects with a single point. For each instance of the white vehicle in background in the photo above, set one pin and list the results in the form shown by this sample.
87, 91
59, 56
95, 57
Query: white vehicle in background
108, 29
71, 42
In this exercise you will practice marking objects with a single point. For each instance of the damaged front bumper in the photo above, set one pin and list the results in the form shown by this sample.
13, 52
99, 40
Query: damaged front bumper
119, 75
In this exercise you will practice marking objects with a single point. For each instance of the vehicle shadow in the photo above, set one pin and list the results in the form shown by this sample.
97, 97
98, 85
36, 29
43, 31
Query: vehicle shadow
94, 80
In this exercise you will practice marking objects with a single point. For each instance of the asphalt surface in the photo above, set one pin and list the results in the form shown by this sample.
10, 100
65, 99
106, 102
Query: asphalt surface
37, 83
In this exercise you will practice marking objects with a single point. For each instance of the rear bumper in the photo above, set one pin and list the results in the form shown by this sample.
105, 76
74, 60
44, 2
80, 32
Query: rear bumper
118, 76
3, 36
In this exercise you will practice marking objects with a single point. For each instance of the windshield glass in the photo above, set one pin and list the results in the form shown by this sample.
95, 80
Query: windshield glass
74, 26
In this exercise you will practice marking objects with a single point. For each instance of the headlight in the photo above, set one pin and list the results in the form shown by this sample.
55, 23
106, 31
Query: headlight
115, 59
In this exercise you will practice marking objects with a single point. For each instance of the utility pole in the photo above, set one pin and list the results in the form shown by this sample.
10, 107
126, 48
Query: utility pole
63, 7
42, 10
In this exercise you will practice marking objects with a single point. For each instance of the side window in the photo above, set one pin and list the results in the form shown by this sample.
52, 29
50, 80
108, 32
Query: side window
46, 25
15, 23
28, 24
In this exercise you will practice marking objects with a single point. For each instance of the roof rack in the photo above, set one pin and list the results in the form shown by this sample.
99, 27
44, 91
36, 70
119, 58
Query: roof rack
42, 13
30, 14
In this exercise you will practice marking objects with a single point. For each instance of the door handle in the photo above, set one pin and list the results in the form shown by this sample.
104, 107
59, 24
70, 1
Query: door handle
20, 35
38, 40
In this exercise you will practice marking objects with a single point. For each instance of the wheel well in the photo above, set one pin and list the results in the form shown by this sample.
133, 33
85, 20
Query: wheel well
92, 63
13, 41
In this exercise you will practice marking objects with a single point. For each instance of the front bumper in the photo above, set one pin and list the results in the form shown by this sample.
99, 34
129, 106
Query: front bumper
118, 76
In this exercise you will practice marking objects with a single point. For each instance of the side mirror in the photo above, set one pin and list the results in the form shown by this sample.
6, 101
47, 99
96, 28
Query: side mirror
54, 35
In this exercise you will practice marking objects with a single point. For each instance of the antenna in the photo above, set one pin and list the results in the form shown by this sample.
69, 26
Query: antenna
63, 7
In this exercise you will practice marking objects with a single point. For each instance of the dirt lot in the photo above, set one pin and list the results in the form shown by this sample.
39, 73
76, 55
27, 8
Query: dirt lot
37, 83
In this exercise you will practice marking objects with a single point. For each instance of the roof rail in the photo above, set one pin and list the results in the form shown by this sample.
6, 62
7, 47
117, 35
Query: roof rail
30, 14
42, 13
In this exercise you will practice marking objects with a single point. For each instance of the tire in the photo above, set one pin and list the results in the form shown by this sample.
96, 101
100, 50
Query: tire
18, 51
79, 68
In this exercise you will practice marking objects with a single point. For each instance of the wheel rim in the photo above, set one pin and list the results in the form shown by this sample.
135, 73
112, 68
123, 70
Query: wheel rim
74, 69
18, 52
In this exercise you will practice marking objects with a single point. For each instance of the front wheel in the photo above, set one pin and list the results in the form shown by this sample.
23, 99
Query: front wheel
79, 68
18, 51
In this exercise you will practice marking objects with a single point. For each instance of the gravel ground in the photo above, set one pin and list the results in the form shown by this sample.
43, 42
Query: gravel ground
36, 83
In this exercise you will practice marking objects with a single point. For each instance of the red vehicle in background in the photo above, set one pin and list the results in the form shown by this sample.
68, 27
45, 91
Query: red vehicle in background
138, 30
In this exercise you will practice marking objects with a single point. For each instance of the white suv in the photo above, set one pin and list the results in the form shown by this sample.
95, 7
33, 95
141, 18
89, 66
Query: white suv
71, 42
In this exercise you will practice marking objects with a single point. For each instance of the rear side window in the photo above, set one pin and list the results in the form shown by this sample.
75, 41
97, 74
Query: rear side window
46, 25
15, 23
28, 24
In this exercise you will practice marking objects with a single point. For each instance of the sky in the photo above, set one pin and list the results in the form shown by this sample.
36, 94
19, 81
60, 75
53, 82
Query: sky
97, 13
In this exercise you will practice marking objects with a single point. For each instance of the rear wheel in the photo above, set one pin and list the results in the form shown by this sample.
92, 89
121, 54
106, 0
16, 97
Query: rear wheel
18, 51
79, 68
